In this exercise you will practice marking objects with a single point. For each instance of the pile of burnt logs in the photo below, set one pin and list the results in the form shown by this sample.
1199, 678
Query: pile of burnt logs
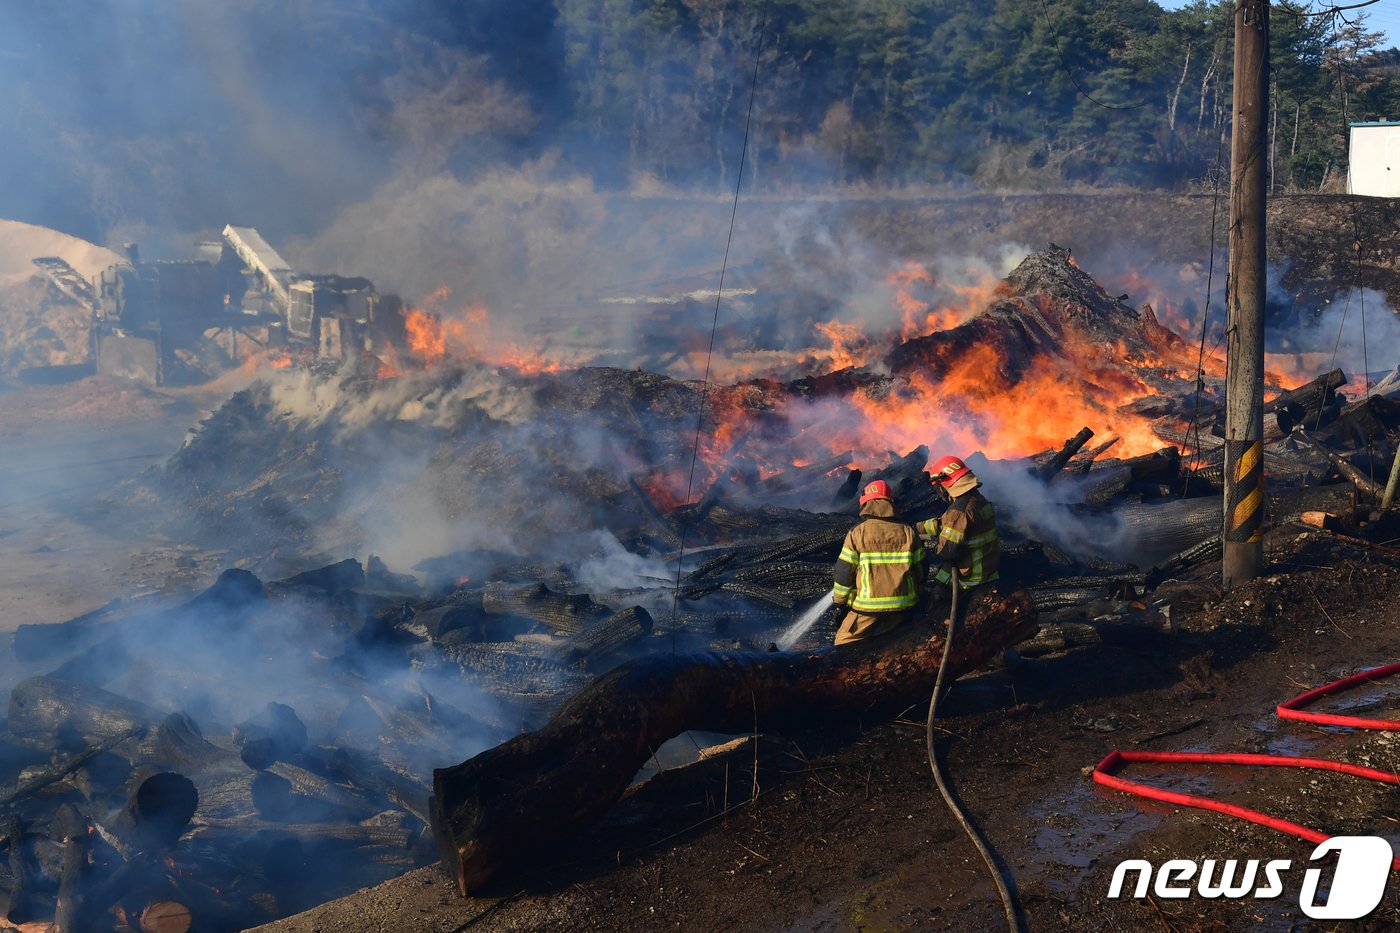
264, 747
1313, 434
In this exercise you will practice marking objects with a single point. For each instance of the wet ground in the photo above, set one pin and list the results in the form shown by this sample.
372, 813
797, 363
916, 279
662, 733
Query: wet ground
843, 830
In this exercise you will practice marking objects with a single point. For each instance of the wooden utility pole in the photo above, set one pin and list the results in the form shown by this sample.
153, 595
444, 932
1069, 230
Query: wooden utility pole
1244, 360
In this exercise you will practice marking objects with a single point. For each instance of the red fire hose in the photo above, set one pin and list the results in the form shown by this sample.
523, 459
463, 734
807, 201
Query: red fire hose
1293, 708
1104, 770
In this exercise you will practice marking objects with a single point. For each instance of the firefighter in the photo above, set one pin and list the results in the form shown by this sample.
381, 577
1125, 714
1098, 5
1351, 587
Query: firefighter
880, 573
966, 535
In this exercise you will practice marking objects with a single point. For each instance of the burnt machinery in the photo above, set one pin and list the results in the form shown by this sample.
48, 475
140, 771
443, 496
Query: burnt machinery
238, 292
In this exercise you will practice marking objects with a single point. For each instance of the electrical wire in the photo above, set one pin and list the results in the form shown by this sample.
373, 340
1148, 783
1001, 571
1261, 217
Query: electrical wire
1064, 65
714, 322
1195, 431
1328, 11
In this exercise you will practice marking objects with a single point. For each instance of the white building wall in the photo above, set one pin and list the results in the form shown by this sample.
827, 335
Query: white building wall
1374, 160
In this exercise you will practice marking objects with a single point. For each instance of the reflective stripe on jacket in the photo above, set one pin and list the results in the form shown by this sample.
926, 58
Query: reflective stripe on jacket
966, 536
881, 567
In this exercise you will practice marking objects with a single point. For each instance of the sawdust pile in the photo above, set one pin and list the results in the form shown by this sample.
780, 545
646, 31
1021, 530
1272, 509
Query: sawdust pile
38, 325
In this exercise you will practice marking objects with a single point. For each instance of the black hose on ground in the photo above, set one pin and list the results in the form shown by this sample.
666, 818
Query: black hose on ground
1008, 902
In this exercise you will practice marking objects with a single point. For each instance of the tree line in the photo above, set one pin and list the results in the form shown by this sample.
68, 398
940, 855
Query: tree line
120, 113
1009, 93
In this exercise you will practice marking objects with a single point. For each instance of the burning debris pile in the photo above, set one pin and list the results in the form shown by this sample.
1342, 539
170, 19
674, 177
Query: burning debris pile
561, 523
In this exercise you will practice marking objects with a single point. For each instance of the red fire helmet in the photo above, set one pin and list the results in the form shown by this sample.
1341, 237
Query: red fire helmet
879, 489
948, 469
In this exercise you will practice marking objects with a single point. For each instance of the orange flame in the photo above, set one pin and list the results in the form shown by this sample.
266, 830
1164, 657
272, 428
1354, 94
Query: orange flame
920, 317
437, 336
850, 348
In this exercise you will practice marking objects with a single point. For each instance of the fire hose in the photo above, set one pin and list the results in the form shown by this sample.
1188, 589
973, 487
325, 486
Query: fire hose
939, 778
1292, 709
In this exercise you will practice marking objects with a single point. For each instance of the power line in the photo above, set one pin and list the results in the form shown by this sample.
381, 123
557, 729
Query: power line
1064, 65
714, 322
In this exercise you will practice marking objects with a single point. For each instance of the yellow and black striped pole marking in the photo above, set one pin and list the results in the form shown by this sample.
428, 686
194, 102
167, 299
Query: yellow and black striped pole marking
1244, 505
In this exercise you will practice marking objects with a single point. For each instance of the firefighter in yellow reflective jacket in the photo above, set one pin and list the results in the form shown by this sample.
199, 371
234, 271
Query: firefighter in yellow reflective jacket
880, 573
966, 534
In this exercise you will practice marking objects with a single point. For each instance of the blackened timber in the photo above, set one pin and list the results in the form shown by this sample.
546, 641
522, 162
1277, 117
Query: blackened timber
800, 476
158, 812
1277, 425
370, 775
1159, 466
70, 915
14, 897
514, 799
365, 833
33, 642
48, 706
275, 733
1083, 461
1310, 398
1105, 485
1173, 525
64, 768
668, 532
1057, 462
1358, 479
598, 640
564, 612
1207, 550
847, 489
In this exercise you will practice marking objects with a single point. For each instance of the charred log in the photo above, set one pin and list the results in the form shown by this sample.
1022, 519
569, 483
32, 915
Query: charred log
70, 915
1210, 549
1052, 466
371, 776
847, 489
593, 644
564, 612
510, 800
276, 733
1103, 486
1307, 401
331, 580
157, 814
1055, 637
658, 520
64, 768
804, 475
52, 706
36, 642
165, 916
1344, 467
14, 893
1278, 425
1168, 527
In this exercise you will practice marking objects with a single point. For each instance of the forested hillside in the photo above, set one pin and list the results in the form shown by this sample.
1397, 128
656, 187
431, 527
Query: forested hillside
180, 116
1024, 95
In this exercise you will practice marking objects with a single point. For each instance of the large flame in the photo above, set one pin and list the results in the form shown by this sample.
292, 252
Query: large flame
850, 347
438, 334
975, 407
923, 316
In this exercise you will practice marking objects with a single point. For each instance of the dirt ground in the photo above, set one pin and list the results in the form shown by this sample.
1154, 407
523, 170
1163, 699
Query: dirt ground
844, 830
62, 450
841, 828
